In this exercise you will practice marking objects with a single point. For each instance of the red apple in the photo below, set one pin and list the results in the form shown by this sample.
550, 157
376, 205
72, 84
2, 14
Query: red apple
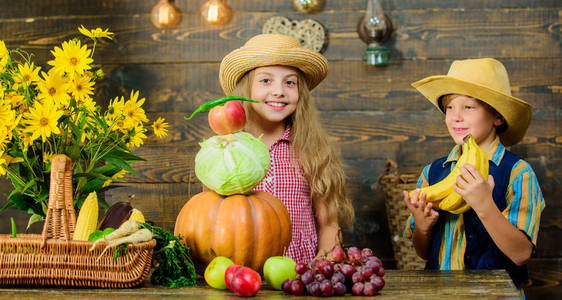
227, 118
245, 282
229, 274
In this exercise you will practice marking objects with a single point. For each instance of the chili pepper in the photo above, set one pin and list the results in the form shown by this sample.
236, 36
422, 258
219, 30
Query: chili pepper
217, 102
13, 228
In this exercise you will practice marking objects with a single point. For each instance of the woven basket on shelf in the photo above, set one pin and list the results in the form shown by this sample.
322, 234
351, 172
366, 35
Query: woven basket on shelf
393, 183
53, 258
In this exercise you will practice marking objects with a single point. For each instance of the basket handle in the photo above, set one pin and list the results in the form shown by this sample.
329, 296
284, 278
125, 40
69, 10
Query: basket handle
389, 164
60, 219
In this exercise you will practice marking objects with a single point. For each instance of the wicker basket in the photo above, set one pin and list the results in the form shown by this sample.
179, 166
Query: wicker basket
393, 183
53, 258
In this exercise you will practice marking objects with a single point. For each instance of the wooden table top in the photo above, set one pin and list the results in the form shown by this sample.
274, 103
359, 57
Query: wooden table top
400, 284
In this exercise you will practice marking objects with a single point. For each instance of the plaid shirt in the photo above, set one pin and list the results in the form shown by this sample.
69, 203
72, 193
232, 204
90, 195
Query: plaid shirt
286, 181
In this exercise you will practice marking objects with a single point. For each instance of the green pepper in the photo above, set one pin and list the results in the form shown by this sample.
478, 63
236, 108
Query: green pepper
217, 102
13, 228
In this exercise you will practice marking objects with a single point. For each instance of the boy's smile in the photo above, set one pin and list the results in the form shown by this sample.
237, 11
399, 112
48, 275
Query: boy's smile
466, 115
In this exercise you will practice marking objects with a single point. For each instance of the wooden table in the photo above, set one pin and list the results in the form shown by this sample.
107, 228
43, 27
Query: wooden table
400, 284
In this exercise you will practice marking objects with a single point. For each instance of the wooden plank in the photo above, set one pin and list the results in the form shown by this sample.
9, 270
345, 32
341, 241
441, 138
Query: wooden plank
546, 275
418, 34
350, 85
61, 8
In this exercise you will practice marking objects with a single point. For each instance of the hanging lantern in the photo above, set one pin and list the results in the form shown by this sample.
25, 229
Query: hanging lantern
374, 28
165, 14
308, 6
216, 12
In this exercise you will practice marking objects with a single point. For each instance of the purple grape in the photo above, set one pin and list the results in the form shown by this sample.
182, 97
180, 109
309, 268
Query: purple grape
376, 258
366, 252
337, 268
354, 255
307, 277
357, 277
338, 255
319, 277
297, 287
300, 268
374, 265
357, 289
369, 289
314, 289
366, 271
327, 269
338, 277
378, 282
339, 289
327, 288
348, 270
286, 286
380, 273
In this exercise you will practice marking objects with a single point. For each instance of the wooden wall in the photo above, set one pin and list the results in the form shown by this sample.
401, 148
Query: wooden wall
373, 113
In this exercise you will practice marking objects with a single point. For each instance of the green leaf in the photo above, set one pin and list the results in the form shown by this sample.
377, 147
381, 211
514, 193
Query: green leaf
124, 155
92, 175
34, 219
92, 185
121, 163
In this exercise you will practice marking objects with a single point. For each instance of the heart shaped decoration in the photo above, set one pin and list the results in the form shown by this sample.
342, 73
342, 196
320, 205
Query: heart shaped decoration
309, 33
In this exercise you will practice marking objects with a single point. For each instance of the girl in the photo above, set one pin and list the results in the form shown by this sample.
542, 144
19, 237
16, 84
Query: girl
306, 173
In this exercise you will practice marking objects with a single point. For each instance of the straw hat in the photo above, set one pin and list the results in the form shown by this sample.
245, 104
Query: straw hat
272, 49
484, 79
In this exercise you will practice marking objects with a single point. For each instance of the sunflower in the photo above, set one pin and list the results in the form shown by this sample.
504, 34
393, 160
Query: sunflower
95, 33
134, 114
81, 87
42, 119
71, 58
115, 110
27, 74
116, 176
4, 56
137, 137
54, 87
16, 100
160, 127
3, 138
3, 165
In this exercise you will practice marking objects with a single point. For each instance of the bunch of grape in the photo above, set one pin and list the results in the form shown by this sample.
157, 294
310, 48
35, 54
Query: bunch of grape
357, 271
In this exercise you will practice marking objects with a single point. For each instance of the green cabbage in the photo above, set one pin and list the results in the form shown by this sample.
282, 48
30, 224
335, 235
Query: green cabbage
232, 164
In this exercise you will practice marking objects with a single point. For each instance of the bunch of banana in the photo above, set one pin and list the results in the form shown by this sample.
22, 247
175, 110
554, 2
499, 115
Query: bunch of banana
442, 193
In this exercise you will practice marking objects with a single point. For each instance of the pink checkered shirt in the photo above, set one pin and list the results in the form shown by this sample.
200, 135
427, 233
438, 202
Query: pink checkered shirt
287, 182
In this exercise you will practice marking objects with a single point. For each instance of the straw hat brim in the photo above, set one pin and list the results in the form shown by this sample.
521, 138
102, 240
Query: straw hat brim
238, 62
516, 112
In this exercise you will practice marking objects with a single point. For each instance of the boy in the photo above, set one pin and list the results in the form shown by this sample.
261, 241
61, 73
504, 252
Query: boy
500, 230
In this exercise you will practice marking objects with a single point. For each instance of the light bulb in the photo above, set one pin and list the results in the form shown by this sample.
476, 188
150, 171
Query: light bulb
216, 12
165, 14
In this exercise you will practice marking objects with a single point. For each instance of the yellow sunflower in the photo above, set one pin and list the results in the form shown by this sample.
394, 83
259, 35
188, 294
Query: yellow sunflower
160, 127
54, 87
134, 114
95, 33
42, 119
4, 56
16, 100
116, 176
3, 164
115, 110
81, 87
137, 137
3, 138
71, 58
27, 74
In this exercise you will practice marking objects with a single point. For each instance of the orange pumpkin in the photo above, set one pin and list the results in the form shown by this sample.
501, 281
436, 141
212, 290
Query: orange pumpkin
245, 228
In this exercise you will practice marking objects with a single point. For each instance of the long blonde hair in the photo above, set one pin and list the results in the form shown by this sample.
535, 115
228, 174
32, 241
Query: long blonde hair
316, 154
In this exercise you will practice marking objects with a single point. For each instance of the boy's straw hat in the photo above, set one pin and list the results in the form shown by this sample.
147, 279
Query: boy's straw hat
272, 49
484, 79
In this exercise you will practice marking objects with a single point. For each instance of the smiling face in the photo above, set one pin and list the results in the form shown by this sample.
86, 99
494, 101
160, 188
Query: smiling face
466, 115
277, 89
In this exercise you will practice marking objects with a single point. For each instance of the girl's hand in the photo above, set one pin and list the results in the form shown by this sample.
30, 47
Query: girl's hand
424, 214
476, 191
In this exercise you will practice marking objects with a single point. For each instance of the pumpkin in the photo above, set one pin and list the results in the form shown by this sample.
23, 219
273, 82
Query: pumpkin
248, 229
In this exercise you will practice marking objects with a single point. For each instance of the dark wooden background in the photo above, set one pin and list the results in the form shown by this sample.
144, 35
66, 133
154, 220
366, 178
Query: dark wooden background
373, 113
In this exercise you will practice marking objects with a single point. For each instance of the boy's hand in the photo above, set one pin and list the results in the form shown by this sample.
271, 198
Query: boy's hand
424, 214
476, 191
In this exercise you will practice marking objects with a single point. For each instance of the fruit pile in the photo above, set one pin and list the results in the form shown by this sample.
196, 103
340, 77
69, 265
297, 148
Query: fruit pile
357, 271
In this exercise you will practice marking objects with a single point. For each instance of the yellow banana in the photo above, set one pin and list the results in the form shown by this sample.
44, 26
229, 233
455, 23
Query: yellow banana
462, 209
451, 202
440, 190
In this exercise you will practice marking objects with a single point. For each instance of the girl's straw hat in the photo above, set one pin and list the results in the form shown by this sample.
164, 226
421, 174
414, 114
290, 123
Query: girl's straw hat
484, 79
272, 49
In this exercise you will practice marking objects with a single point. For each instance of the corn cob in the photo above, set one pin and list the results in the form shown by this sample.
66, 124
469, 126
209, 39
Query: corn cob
87, 218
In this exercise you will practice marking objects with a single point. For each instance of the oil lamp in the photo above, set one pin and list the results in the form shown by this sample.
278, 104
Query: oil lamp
165, 14
374, 28
216, 12
308, 6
